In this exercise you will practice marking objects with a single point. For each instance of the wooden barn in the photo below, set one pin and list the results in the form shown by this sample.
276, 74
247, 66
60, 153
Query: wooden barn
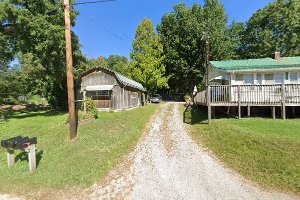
109, 90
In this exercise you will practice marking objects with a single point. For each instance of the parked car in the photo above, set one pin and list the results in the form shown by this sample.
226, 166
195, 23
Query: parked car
155, 98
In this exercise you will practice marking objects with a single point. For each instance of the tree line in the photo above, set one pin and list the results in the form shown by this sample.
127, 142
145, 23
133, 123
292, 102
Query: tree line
172, 56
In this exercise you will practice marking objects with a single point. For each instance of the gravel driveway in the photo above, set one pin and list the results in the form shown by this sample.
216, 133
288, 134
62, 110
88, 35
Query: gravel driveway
168, 164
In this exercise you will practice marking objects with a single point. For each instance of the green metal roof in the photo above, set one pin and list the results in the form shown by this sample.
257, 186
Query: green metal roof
254, 64
125, 81
294, 60
128, 82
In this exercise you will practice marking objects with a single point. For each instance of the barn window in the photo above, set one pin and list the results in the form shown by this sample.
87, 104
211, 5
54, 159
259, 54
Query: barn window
103, 93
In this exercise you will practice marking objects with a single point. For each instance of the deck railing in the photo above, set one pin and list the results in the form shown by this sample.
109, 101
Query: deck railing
249, 95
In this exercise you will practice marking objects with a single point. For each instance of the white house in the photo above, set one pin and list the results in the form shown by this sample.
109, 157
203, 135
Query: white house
253, 82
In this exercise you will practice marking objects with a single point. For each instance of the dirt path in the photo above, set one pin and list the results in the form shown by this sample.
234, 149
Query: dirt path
167, 164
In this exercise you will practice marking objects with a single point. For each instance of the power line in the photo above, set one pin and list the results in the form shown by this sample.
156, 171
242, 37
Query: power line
90, 2
103, 28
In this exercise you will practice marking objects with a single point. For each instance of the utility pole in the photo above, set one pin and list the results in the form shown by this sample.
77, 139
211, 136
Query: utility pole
207, 58
70, 78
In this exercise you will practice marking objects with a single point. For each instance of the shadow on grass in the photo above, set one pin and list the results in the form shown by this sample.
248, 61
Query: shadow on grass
195, 115
198, 115
21, 114
23, 157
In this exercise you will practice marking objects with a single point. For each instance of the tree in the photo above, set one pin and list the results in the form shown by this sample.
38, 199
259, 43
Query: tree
184, 34
119, 64
147, 60
235, 34
274, 28
39, 42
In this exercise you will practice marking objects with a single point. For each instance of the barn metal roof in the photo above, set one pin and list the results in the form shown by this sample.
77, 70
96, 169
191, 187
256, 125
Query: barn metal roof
122, 79
128, 82
257, 64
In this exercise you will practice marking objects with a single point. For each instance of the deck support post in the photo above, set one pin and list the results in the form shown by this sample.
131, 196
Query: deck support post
10, 158
239, 102
84, 101
213, 111
248, 111
283, 108
293, 111
273, 112
208, 105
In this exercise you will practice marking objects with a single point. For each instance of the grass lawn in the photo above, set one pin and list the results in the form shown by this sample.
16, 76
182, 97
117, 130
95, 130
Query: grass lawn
99, 146
266, 151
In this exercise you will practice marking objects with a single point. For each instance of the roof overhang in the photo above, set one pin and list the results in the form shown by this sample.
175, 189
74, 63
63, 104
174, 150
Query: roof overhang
98, 87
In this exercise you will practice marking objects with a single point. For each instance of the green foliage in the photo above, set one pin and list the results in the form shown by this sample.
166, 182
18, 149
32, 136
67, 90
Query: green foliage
274, 28
119, 64
184, 33
235, 34
39, 42
147, 66
91, 107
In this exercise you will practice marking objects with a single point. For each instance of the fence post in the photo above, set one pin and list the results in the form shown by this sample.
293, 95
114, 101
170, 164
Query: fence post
283, 109
208, 105
239, 102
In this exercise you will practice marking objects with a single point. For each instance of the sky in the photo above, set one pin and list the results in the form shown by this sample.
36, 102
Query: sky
109, 28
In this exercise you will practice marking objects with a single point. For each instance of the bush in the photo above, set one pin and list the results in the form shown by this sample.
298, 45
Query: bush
91, 107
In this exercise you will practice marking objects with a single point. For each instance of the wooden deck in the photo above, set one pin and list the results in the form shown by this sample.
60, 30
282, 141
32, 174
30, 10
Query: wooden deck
249, 95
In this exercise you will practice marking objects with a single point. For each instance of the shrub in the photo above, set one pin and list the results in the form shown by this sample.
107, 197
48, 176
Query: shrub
91, 107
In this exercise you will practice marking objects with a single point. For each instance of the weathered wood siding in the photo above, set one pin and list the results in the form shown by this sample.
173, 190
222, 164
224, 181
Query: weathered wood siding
121, 98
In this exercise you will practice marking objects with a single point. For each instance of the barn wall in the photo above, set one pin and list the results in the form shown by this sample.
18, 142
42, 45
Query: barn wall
98, 78
122, 98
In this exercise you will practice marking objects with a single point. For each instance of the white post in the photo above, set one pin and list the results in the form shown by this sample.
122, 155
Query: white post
84, 101
10, 158
32, 158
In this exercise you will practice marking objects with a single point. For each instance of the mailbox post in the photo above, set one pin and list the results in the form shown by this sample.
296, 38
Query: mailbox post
24, 144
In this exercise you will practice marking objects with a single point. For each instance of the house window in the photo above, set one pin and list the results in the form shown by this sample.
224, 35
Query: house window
286, 76
259, 78
269, 78
293, 77
239, 79
249, 78
279, 78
